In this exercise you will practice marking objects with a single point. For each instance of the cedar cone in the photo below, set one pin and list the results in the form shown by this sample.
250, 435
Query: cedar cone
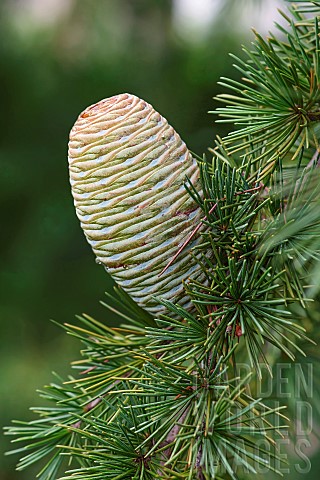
128, 167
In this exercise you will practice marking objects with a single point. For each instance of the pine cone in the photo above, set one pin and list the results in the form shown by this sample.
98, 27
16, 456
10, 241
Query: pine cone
128, 167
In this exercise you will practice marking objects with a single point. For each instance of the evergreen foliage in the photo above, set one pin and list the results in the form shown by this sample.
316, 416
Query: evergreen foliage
165, 398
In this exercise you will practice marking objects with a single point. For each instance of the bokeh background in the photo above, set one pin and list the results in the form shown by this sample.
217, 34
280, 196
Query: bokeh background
56, 58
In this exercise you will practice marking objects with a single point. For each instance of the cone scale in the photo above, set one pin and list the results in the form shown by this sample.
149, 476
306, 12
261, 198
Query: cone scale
127, 168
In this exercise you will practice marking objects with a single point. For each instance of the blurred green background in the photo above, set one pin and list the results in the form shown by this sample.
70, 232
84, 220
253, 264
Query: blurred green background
56, 58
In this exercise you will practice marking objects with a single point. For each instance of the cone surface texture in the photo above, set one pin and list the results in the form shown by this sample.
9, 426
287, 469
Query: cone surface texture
128, 167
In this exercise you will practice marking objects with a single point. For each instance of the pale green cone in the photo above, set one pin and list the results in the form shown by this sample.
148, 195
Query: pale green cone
128, 167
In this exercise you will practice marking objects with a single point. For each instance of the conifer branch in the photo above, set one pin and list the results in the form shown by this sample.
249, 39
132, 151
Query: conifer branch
160, 396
